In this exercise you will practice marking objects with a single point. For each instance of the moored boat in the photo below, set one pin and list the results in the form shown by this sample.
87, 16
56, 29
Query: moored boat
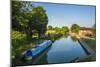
37, 50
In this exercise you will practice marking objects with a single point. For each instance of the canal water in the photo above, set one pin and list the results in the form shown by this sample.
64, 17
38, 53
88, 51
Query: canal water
63, 50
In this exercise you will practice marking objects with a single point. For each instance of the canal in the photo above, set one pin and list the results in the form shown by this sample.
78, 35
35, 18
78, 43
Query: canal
63, 50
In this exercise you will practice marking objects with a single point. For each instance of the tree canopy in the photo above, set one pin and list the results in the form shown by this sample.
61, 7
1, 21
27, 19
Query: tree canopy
50, 27
26, 18
65, 29
75, 28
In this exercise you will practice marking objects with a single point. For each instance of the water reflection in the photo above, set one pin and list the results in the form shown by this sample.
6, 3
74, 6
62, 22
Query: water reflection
65, 50
74, 38
42, 59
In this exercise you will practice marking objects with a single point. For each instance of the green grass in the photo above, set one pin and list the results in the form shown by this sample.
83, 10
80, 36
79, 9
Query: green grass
85, 59
21, 44
91, 43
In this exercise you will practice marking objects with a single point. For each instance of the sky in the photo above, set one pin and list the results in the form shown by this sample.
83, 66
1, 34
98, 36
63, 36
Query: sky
67, 14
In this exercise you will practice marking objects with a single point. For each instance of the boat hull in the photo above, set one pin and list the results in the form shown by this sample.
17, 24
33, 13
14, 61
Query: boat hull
33, 54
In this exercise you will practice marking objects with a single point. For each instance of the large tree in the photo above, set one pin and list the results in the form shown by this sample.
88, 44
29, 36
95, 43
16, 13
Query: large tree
39, 20
75, 28
19, 10
15, 14
26, 18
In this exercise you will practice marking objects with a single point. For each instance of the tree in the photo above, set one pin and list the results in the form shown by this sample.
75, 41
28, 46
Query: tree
26, 18
21, 16
19, 10
65, 29
50, 27
15, 14
39, 20
75, 28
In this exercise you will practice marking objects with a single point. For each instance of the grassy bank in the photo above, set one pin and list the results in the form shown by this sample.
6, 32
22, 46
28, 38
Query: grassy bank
21, 44
91, 43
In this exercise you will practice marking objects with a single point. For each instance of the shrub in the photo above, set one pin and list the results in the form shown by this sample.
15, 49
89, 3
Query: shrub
18, 42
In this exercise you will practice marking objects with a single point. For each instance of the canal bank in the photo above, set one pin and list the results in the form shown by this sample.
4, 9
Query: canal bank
90, 52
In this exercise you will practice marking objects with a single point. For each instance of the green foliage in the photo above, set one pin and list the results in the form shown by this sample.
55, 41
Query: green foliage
18, 40
75, 28
39, 20
19, 17
50, 27
18, 37
26, 18
65, 30
58, 30
94, 31
91, 43
19, 45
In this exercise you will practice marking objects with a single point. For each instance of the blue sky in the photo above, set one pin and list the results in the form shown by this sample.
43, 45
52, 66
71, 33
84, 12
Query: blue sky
67, 14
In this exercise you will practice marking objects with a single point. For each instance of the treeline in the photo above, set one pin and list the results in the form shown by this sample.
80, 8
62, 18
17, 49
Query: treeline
64, 30
55, 33
74, 29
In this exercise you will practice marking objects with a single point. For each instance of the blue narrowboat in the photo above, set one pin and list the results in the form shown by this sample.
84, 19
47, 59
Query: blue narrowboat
37, 50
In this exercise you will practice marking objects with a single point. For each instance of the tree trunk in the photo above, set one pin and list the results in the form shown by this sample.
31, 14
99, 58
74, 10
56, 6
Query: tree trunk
29, 35
39, 34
